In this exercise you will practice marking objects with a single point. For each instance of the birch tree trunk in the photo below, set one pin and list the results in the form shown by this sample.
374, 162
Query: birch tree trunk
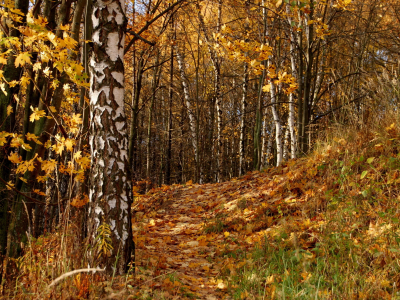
217, 83
291, 117
278, 126
242, 121
192, 117
110, 186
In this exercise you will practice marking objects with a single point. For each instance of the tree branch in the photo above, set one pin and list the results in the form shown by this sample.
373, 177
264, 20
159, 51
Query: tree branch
148, 23
141, 38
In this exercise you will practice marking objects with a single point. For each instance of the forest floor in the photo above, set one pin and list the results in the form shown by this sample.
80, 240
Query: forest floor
321, 227
189, 237
325, 226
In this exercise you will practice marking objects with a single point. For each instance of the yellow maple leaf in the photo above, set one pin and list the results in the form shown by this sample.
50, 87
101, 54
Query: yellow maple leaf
84, 162
64, 27
37, 114
58, 148
32, 137
78, 155
10, 185
266, 88
47, 71
48, 166
39, 192
79, 202
37, 66
24, 80
15, 158
69, 144
22, 59
9, 110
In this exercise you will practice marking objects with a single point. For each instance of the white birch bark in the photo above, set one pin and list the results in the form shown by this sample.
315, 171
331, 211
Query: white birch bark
242, 121
291, 117
192, 117
110, 185
286, 144
278, 126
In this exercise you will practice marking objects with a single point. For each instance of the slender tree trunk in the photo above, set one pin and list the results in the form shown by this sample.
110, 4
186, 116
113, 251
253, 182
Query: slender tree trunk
278, 126
217, 85
189, 108
156, 78
291, 118
168, 161
137, 87
242, 148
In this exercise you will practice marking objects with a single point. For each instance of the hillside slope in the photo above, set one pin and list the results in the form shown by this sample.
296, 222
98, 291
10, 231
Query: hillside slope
325, 226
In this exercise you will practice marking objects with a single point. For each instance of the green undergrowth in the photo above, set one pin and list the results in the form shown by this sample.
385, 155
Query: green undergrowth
349, 246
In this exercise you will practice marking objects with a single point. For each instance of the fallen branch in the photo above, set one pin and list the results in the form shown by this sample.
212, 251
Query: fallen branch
58, 279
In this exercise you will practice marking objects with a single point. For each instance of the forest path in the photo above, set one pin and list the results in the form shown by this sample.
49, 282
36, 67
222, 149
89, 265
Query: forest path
188, 237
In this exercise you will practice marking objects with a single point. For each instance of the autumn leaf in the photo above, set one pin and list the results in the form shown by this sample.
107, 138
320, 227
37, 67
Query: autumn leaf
84, 162
37, 114
15, 158
48, 166
80, 201
64, 27
78, 154
32, 137
22, 59
10, 185
9, 110
69, 144
58, 148
266, 88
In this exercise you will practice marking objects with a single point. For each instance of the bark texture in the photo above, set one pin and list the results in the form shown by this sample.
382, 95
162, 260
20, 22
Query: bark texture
110, 185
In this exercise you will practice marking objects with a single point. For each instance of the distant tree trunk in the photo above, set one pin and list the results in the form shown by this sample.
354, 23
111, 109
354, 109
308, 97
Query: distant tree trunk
291, 118
110, 186
189, 107
242, 148
156, 78
270, 145
168, 161
217, 85
278, 126
136, 89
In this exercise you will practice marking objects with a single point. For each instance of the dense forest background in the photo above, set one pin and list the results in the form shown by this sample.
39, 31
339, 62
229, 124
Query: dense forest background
212, 90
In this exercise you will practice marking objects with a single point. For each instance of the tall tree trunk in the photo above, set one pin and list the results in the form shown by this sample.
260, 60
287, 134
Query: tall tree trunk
242, 152
291, 118
110, 186
217, 84
168, 161
189, 108
156, 77
136, 89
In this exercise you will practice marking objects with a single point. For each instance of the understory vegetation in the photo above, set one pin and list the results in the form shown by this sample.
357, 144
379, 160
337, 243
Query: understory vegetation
324, 226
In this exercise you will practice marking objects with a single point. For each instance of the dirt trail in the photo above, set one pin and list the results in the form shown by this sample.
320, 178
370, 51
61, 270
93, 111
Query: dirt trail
184, 233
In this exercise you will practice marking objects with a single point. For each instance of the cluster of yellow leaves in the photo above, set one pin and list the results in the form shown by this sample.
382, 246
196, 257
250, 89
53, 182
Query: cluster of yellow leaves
73, 122
54, 55
282, 77
79, 201
254, 54
16, 140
